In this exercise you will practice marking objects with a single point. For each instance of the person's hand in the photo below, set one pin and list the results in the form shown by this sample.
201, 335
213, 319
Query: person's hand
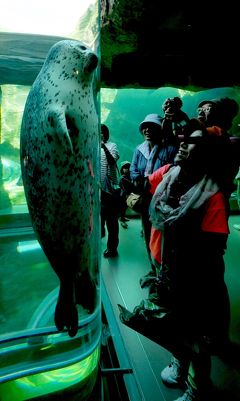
138, 185
168, 114
180, 116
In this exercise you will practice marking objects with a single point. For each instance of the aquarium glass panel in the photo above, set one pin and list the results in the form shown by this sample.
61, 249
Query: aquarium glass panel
122, 110
35, 358
12, 105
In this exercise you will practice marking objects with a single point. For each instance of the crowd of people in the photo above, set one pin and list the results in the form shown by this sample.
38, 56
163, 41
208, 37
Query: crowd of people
159, 146
184, 170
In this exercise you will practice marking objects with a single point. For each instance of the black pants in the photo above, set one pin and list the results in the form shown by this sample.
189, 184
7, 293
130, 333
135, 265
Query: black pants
146, 226
109, 220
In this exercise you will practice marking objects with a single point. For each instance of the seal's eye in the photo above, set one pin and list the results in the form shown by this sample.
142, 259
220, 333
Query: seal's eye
83, 48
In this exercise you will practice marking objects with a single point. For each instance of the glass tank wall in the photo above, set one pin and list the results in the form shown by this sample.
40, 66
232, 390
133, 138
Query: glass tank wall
35, 359
124, 109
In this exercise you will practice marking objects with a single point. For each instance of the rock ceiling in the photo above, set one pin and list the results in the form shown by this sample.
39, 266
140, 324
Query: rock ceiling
152, 43
146, 44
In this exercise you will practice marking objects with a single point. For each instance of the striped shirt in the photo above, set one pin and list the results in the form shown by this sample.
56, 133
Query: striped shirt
105, 167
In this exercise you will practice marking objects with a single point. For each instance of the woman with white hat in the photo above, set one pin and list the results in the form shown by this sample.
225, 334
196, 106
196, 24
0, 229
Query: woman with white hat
152, 153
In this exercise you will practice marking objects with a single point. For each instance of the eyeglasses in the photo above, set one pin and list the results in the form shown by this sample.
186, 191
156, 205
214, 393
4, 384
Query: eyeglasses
204, 109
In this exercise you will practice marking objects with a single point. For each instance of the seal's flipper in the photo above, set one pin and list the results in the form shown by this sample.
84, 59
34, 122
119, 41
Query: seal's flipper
58, 123
85, 291
66, 315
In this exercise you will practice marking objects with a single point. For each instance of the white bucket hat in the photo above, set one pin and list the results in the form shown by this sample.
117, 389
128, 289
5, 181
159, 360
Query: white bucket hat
151, 118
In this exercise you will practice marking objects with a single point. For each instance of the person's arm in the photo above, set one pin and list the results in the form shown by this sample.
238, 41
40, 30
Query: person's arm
215, 244
215, 229
134, 170
172, 151
156, 177
136, 176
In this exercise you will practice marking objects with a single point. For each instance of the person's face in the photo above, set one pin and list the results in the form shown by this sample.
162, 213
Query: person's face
104, 137
207, 114
151, 132
190, 150
125, 170
166, 104
169, 107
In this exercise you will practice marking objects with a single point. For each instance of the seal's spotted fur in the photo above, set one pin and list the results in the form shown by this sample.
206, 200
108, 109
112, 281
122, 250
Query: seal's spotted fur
59, 148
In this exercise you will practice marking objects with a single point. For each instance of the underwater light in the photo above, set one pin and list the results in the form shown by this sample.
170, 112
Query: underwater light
49, 382
26, 246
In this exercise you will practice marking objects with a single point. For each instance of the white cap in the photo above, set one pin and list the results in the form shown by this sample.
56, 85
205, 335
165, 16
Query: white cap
151, 118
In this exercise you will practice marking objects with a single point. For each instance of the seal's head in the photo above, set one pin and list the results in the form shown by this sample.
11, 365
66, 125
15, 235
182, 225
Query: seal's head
76, 57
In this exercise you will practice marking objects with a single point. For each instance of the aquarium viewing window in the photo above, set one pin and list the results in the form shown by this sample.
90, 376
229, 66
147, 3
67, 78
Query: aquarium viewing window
27, 31
36, 359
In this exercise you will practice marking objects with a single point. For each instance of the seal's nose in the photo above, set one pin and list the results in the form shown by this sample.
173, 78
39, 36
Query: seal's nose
91, 62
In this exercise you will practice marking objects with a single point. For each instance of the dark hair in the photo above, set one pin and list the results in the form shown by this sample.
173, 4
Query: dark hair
228, 109
220, 162
192, 125
105, 131
218, 157
175, 103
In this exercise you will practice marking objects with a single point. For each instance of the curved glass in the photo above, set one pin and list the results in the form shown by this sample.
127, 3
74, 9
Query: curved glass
35, 358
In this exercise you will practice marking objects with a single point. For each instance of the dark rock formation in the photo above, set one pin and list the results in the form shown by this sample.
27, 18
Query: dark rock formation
145, 44
151, 43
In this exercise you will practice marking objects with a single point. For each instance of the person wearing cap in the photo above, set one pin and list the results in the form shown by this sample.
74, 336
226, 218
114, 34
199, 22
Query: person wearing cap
189, 216
126, 187
217, 115
152, 153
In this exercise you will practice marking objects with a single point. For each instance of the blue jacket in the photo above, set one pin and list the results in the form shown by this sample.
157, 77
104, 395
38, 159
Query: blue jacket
141, 155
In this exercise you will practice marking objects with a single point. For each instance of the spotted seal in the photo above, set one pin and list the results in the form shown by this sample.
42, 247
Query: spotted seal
59, 154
